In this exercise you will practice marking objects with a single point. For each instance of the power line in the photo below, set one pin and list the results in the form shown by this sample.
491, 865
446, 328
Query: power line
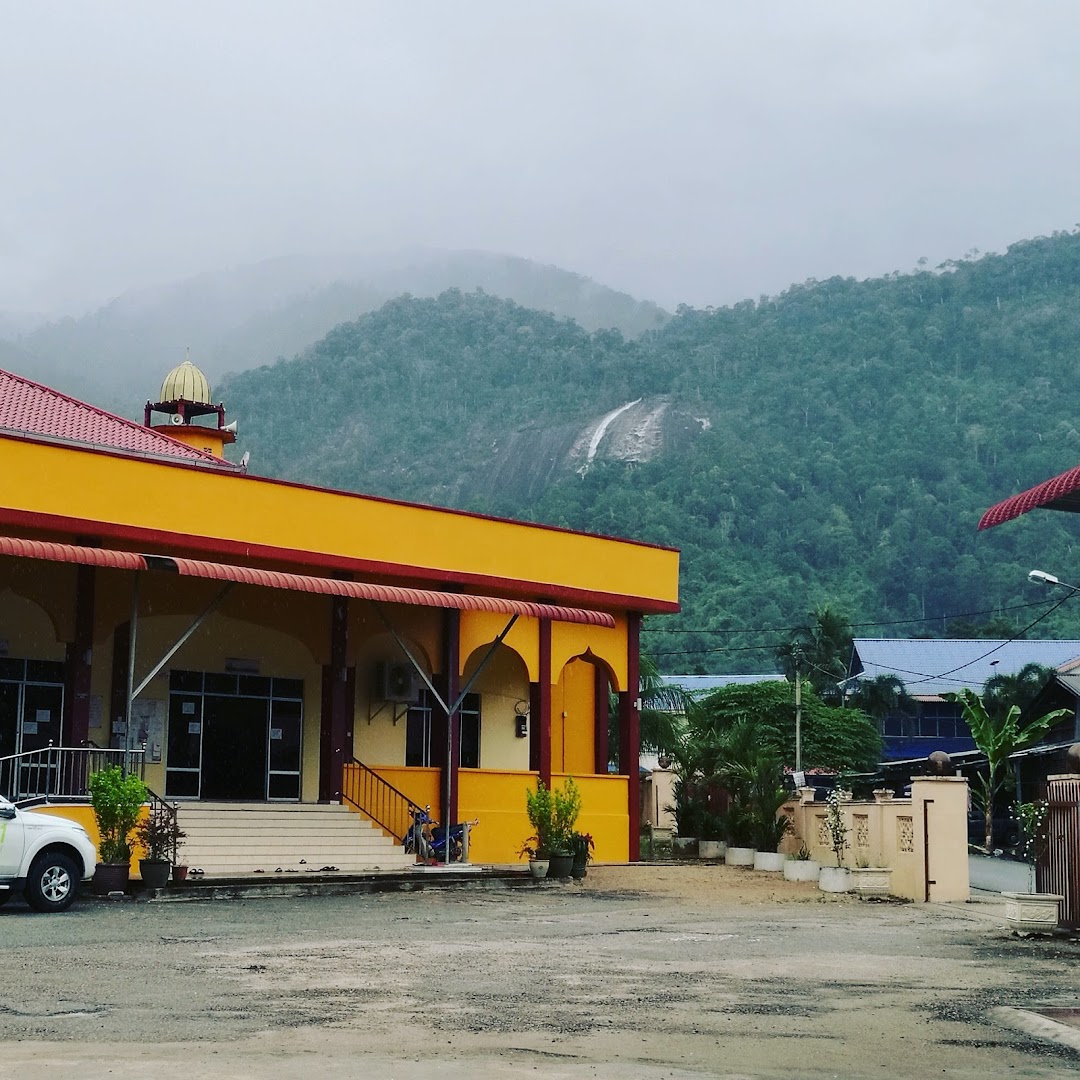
885, 622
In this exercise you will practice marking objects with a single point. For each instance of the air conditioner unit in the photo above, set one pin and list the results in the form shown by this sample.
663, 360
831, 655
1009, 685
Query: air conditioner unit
397, 682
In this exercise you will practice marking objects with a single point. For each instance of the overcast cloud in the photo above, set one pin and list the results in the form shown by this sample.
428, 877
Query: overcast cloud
698, 152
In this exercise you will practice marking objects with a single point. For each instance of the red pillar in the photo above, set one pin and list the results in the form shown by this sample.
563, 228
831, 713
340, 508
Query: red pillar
629, 736
452, 645
600, 719
76, 729
542, 718
337, 707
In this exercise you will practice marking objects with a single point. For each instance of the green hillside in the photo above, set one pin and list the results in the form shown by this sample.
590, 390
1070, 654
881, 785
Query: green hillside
835, 444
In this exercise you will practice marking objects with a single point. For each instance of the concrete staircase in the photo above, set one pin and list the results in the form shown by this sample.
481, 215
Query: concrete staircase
227, 840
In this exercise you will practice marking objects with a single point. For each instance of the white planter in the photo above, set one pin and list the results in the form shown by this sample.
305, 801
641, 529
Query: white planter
1032, 913
834, 879
801, 870
871, 880
711, 849
538, 868
740, 856
684, 847
771, 861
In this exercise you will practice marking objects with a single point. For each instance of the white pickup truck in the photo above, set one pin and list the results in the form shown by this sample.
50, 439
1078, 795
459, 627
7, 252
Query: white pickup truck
42, 856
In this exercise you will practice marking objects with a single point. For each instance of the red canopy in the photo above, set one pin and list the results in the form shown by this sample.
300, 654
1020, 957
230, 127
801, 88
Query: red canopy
1060, 493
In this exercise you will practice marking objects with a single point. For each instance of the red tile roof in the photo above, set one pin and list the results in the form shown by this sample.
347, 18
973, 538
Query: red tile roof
29, 408
1058, 493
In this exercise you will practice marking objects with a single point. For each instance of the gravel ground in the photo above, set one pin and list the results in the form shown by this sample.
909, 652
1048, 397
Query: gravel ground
648, 971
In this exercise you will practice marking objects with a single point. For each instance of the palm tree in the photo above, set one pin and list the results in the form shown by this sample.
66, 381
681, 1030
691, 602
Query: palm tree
663, 712
883, 696
1020, 689
820, 651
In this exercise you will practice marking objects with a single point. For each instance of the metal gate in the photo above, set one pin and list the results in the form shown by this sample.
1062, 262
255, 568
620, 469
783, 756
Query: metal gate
1058, 869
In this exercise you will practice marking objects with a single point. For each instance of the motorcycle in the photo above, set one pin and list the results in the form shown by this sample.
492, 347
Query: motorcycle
427, 839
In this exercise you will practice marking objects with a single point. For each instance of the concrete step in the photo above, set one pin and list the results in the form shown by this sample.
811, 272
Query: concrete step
230, 838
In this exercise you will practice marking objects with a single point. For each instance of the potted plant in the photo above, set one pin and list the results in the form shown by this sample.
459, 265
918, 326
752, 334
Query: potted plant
538, 865
836, 878
116, 800
739, 830
871, 882
800, 867
160, 837
768, 834
581, 844
552, 815
1031, 912
711, 843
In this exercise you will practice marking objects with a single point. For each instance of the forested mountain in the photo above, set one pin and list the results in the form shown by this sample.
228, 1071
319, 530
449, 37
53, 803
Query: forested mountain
235, 319
835, 444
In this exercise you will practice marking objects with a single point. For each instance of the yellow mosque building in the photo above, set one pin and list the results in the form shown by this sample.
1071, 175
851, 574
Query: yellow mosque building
265, 642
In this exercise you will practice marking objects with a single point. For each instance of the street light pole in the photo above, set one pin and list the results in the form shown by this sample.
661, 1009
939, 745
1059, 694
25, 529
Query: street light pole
798, 715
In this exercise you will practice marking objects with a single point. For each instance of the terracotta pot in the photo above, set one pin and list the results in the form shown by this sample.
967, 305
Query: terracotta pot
179, 873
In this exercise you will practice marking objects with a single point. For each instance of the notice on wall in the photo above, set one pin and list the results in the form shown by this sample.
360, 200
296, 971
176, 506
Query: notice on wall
148, 727
188, 708
194, 727
29, 727
95, 710
275, 733
43, 716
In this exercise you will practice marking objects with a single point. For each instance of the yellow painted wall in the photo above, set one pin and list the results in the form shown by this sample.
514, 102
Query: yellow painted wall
27, 629
573, 639
86, 487
419, 785
502, 684
480, 628
37, 605
497, 800
572, 712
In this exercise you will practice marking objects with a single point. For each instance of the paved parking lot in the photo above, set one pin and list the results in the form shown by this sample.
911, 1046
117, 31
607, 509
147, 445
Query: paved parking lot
640, 972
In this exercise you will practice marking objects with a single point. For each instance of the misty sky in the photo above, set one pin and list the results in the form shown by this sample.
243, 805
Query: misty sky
695, 151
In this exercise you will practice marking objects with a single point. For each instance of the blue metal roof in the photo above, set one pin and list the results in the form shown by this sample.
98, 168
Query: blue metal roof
702, 684
930, 667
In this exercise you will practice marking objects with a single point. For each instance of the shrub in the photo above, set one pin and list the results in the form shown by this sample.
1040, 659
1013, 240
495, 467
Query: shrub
553, 814
116, 799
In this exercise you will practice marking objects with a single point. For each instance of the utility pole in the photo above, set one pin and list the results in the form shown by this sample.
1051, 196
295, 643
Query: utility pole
798, 713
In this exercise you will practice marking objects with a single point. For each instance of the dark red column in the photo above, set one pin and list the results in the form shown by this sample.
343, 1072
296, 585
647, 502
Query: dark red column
452, 647
629, 735
76, 730
600, 719
336, 707
542, 720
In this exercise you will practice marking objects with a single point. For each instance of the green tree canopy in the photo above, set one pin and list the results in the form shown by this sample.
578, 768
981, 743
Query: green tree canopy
832, 738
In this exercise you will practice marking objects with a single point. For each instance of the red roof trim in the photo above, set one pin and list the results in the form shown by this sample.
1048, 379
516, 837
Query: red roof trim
1061, 489
275, 579
219, 547
31, 410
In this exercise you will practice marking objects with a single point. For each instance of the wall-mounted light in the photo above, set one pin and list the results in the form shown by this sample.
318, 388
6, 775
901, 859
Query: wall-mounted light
521, 719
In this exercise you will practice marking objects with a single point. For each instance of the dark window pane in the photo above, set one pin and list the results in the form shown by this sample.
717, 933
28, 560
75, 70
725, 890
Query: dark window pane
418, 737
255, 685
285, 735
185, 731
220, 684
190, 681
181, 783
284, 787
289, 688
469, 716
12, 669
47, 671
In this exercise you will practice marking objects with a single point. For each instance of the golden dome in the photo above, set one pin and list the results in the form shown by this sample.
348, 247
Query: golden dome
188, 382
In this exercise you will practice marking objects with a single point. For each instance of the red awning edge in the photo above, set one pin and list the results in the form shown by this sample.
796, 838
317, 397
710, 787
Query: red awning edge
275, 579
1064, 490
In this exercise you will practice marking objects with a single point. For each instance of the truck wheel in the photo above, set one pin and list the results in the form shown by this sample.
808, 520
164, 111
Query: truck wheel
5, 896
52, 883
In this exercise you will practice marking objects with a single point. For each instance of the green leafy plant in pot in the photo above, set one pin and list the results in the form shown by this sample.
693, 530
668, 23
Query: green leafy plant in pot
116, 799
553, 812
582, 845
